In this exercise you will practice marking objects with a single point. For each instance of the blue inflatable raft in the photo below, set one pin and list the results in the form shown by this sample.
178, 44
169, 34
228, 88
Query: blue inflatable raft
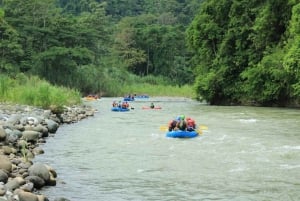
141, 96
182, 134
119, 109
128, 99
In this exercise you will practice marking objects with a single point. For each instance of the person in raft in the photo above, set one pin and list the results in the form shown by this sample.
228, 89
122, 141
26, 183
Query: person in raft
178, 124
125, 105
191, 124
152, 106
115, 104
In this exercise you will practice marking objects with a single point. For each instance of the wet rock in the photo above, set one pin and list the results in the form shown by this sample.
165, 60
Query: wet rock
37, 181
51, 125
37, 151
39, 170
22, 130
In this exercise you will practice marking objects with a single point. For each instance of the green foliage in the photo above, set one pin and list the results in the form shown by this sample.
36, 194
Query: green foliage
147, 47
239, 51
291, 60
37, 92
246, 51
267, 83
5, 84
159, 90
10, 49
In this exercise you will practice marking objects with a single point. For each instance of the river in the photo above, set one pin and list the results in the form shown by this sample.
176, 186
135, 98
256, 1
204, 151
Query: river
247, 153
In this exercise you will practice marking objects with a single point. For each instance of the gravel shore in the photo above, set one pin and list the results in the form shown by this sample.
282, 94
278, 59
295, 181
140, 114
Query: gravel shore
22, 130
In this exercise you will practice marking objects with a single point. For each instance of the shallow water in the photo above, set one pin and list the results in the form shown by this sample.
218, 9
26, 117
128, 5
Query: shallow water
247, 153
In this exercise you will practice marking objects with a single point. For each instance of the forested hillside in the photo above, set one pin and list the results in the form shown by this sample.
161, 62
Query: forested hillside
247, 51
233, 51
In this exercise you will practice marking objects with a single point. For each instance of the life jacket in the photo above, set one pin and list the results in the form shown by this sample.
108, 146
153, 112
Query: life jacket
181, 125
191, 123
172, 125
123, 105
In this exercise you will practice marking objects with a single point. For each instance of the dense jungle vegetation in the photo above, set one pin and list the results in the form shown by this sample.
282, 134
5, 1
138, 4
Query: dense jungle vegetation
231, 51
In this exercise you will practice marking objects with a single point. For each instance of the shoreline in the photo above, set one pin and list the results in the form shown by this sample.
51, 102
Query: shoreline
22, 130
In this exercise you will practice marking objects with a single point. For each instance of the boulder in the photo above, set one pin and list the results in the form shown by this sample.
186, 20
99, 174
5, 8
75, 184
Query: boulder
39, 170
38, 182
26, 196
51, 125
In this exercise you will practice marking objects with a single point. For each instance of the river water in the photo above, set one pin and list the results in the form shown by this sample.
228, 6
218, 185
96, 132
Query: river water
247, 153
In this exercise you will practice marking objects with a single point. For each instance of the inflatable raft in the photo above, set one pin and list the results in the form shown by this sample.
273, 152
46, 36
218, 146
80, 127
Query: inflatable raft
141, 96
119, 109
182, 134
128, 99
149, 108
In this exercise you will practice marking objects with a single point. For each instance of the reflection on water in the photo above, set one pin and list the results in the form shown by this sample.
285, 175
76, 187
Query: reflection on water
247, 153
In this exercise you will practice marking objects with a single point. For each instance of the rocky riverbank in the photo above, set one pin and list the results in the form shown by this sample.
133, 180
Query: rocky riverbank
22, 130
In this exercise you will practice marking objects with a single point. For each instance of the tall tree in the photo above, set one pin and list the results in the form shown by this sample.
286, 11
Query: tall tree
10, 48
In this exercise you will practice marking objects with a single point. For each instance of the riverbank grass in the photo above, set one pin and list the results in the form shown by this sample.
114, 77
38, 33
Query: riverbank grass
160, 90
36, 92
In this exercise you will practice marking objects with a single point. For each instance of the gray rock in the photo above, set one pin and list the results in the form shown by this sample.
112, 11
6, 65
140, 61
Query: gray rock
2, 134
14, 119
30, 135
28, 187
41, 129
3, 176
38, 151
13, 184
5, 163
3, 189
37, 181
26, 196
51, 125
39, 170
9, 150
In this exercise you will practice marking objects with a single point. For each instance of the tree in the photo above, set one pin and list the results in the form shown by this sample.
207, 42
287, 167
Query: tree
10, 48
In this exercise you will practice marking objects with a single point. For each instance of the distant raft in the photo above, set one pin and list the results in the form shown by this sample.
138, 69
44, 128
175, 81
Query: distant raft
149, 108
91, 98
128, 99
141, 96
119, 109
182, 134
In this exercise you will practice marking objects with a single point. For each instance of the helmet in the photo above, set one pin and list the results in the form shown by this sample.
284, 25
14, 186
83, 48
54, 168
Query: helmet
188, 118
182, 117
178, 118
